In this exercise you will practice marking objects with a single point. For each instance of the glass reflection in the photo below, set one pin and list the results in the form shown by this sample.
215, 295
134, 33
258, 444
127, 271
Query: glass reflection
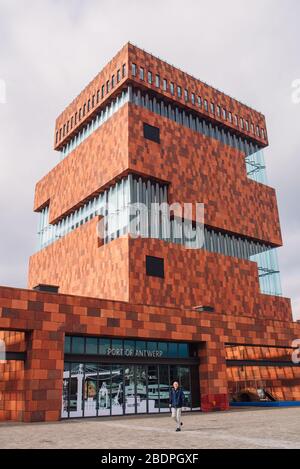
153, 389
104, 390
164, 388
65, 391
93, 389
117, 390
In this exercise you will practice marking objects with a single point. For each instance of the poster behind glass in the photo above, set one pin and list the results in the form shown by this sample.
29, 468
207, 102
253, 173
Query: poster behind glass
76, 390
117, 390
141, 389
129, 382
153, 389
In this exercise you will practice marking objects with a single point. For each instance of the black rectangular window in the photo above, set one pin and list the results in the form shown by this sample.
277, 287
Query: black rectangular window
151, 133
155, 267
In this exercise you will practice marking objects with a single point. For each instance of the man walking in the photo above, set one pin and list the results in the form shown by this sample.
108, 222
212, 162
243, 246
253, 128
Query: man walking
176, 404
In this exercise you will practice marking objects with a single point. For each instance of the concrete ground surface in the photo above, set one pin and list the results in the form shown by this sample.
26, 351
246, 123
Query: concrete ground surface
238, 428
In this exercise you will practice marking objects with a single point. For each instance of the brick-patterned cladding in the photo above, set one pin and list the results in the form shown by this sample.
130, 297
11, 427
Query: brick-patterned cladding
48, 316
14, 341
212, 95
202, 169
79, 266
283, 382
131, 54
96, 161
198, 277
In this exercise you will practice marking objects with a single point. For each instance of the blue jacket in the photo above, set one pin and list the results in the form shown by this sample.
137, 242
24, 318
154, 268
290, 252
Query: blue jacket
177, 398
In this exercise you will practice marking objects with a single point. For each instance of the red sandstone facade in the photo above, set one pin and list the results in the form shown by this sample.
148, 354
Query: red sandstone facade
104, 289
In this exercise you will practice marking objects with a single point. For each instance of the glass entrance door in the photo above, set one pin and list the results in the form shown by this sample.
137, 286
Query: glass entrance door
91, 389
153, 389
130, 392
117, 390
141, 389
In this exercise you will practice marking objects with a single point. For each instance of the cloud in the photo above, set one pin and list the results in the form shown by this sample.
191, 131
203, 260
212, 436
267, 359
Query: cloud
49, 51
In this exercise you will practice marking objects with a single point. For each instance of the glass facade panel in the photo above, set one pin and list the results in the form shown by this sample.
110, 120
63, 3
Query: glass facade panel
153, 389
95, 389
141, 389
104, 390
78, 345
66, 391
173, 350
117, 390
91, 346
67, 344
164, 388
140, 346
183, 350
129, 348
104, 346
117, 346
163, 348
152, 346
76, 390
135, 189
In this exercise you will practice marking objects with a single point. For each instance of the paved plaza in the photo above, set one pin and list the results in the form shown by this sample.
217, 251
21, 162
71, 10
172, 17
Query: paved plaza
255, 428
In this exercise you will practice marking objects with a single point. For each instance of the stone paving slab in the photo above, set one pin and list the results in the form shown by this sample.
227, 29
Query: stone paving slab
239, 428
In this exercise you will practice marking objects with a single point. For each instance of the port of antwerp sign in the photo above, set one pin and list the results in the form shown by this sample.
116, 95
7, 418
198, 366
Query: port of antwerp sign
120, 352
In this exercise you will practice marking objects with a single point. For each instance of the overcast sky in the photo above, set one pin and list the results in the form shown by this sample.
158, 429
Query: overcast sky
50, 49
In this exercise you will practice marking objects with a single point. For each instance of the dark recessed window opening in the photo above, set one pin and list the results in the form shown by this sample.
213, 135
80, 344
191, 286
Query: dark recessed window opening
155, 267
46, 288
151, 133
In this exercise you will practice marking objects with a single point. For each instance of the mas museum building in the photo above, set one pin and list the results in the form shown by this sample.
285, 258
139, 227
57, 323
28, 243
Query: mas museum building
107, 322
